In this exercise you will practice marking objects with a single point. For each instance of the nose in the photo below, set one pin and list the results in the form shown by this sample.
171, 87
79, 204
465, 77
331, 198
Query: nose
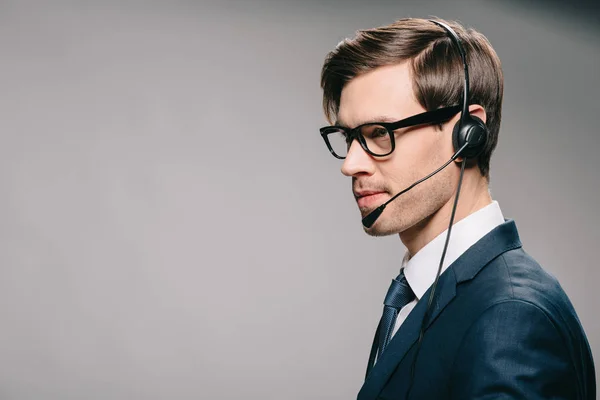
358, 161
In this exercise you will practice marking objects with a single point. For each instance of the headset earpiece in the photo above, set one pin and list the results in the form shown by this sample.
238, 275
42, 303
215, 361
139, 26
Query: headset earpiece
472, 130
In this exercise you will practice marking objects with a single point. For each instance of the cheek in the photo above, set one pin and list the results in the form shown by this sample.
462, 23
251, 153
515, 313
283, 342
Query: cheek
420, 147
401, 170
417, 154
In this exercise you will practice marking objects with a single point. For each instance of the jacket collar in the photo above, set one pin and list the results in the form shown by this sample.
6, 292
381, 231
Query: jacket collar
501, 239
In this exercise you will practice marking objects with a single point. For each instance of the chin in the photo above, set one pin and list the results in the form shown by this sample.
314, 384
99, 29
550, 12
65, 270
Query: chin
387, 225
380, 228
378, 233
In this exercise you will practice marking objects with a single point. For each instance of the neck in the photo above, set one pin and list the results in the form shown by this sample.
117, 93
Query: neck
474, 195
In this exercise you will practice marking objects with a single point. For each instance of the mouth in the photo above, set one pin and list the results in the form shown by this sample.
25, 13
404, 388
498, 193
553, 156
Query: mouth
369, 199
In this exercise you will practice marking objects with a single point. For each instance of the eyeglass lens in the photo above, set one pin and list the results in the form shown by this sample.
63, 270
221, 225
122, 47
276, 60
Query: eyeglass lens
376, 138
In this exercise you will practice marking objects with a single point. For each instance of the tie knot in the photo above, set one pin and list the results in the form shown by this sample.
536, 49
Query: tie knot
399, 294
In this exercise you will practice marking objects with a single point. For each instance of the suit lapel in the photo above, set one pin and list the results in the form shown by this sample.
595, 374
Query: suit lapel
499, 240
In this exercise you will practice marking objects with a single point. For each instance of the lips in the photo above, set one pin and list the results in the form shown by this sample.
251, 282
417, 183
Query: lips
367, 199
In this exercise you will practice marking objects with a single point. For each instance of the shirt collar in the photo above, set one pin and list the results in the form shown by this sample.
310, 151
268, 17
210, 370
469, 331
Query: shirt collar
420, 269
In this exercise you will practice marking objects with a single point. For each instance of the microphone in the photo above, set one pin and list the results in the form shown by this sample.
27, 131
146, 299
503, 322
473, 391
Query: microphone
371, 217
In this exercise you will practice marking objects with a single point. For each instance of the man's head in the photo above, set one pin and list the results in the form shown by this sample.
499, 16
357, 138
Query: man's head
394, 72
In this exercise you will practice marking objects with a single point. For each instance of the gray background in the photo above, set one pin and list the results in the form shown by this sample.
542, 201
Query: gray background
173, 227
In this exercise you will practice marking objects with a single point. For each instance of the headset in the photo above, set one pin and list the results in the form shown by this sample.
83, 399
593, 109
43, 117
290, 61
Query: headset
469, 139
469, 130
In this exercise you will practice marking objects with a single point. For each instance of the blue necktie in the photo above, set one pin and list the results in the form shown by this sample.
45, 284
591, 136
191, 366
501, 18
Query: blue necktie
399, 294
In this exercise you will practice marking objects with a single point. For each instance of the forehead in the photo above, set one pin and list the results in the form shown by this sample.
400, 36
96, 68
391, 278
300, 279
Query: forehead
385, 92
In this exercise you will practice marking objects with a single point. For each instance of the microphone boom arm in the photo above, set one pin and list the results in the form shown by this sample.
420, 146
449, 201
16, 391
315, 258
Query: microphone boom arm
370, 218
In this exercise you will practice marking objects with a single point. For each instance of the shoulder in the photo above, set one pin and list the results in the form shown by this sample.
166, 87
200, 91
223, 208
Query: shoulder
514, 290
518, 277
520, 322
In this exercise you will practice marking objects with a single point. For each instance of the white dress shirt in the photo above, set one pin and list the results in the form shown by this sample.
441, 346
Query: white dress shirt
420, 270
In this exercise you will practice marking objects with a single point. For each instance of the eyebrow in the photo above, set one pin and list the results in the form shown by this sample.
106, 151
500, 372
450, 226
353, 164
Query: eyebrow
381, 118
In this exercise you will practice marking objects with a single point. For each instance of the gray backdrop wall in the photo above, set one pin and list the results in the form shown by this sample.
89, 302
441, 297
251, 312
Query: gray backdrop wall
172, 226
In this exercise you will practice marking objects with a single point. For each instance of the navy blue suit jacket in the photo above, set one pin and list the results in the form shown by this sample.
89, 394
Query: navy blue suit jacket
500, 328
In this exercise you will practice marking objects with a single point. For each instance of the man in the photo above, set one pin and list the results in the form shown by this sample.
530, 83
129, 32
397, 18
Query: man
497, 325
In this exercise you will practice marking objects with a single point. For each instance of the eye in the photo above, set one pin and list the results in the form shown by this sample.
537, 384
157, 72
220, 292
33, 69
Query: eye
375, 132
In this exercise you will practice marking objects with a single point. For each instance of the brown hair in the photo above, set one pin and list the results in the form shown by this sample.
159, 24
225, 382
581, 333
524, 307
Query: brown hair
435, 64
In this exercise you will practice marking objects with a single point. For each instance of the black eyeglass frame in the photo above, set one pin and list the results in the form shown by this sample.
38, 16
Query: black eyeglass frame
428, 117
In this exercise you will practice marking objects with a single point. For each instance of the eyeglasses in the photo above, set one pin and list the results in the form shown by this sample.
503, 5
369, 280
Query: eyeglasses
377, 138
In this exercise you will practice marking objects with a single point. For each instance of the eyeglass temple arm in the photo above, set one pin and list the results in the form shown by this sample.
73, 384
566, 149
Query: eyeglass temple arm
439, 115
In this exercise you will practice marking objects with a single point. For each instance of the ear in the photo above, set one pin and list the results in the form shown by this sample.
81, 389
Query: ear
478, 111
475, 110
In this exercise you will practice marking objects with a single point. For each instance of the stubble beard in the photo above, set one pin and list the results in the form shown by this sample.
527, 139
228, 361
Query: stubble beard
413, 208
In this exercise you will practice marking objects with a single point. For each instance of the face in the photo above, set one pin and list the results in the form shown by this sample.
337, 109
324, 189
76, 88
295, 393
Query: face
386, 95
